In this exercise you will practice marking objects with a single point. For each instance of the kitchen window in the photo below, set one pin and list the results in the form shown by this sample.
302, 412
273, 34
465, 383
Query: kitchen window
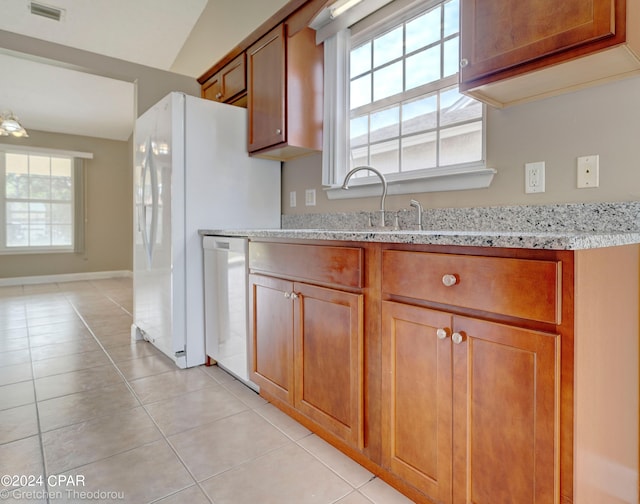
39, 207
392, 102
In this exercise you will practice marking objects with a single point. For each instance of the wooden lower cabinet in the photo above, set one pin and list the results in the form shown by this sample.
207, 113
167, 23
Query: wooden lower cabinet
271, 329
416, 398
308, 351
470, 409
328, 360
506, 414
447, 397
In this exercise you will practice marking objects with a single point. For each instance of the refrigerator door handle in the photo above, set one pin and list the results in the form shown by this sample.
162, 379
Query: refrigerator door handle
140, 203
149, 183
154, 205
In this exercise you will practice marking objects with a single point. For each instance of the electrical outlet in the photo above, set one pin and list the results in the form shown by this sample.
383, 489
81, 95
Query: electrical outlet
292, 199
588, 171
534, 177
310, 197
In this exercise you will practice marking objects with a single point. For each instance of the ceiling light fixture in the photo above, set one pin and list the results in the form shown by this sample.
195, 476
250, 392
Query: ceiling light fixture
9, 125
47, 11
342, 6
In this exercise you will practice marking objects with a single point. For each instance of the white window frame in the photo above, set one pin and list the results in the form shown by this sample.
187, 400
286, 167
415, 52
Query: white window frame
38, 249
336, 113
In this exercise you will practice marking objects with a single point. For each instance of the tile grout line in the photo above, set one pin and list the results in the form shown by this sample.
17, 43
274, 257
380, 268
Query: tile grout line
40, 432
79, 312
35, 399
143, 406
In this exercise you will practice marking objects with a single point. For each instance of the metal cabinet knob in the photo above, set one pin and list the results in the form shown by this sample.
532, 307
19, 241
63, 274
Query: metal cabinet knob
464, 62
278, 131
449, 280
441, 333
457, 338
294, 295
287, 295
218, 95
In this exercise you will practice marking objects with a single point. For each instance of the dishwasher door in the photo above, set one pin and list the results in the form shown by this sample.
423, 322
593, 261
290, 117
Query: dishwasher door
226, 304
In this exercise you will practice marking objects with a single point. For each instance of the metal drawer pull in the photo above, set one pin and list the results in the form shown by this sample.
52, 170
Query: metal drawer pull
441, 333
449, 280
457, 338
291, 295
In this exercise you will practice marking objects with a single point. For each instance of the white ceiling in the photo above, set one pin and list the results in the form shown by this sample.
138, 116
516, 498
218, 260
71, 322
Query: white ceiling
184, 36
75, 103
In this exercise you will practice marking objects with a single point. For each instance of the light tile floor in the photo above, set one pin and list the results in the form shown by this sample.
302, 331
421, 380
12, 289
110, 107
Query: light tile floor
88, 416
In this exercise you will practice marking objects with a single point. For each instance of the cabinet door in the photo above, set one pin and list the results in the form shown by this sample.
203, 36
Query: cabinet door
500, 34
329, 360
271, 328
229, 84
416, 397
266, 90
506, 414
212, 89
234, 78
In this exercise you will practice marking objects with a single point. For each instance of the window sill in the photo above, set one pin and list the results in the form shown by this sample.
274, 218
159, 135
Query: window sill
34, 250
434, 181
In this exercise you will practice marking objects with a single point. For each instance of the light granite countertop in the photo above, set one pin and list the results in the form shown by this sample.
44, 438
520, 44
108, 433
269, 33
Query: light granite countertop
549, 227
504, 239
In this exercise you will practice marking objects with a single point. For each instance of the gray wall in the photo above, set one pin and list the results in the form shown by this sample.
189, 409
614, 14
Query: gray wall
109, 175
602, 120
109, 195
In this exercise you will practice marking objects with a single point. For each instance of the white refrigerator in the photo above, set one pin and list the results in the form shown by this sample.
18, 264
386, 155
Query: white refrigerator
191, 172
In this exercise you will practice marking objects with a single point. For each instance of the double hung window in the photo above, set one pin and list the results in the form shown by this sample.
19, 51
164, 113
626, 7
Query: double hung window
405, 116
37, 202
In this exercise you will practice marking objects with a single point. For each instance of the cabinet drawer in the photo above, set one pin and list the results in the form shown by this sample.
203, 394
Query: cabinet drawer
522, 288
311, 263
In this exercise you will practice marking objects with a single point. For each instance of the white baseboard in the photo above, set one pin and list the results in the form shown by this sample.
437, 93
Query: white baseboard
68, 277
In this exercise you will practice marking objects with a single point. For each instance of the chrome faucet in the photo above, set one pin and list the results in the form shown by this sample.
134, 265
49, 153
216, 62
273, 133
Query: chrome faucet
415, 203
345, 185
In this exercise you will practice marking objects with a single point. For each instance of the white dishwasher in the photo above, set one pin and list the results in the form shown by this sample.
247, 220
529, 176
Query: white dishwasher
226, 304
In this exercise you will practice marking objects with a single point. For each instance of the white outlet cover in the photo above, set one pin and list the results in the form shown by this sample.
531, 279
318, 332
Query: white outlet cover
534, 177
292, 199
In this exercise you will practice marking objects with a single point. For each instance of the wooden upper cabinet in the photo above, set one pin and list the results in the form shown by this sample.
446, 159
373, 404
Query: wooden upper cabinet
229, 85
267, 81
529, 31
285, 94
511, 51
212, 89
